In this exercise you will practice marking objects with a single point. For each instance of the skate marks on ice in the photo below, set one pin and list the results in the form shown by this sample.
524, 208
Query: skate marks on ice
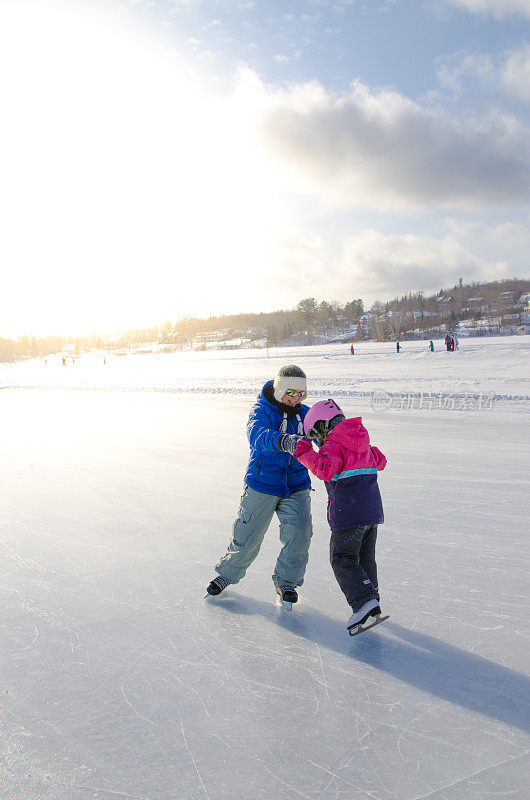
423, 661
455, 675
237, 699
391, 716
226, 593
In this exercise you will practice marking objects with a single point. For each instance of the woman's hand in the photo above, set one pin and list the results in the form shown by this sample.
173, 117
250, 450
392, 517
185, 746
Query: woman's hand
288, 442
303, 446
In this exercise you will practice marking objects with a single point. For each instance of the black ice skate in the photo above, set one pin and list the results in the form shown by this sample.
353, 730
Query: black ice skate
216, 586
286, 597
368, 616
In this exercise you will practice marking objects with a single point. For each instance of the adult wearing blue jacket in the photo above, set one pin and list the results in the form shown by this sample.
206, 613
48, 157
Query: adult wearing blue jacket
274, 482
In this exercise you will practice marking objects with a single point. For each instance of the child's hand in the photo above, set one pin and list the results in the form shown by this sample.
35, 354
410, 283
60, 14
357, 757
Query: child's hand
302, 447
380, 459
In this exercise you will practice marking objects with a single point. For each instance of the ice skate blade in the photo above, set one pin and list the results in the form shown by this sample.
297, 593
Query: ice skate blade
356, 629
209, 596
284, 604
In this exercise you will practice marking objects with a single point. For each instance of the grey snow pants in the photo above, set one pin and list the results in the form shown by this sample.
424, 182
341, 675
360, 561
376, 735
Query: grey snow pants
254, 517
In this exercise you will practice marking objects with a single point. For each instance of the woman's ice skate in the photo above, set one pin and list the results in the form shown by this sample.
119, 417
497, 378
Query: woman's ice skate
286, 597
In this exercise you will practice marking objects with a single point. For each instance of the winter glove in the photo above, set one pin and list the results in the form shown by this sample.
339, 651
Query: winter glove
303, 446
380, 458
288, 441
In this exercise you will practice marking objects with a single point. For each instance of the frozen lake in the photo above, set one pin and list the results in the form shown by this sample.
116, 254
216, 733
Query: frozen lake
500, 365
119, 680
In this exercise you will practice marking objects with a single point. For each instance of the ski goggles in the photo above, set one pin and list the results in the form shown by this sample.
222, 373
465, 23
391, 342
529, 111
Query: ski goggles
294, 393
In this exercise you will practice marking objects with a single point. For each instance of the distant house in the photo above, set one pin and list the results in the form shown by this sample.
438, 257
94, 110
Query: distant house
444, 299
344, 337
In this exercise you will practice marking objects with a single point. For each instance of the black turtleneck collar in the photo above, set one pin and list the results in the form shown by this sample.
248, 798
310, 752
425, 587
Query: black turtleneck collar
291, 411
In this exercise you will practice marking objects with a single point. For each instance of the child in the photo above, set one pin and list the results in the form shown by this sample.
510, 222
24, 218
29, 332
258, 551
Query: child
348, 465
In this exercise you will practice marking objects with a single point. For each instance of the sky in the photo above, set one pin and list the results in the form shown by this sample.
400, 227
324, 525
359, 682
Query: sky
164, 158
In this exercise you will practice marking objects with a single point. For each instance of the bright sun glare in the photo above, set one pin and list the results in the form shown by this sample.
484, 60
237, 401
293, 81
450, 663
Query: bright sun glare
130, 194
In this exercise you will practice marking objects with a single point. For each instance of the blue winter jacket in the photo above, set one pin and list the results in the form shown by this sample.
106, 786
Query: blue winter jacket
270, 470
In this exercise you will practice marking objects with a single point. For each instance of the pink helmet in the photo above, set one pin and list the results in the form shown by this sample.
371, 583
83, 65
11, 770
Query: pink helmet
324, 411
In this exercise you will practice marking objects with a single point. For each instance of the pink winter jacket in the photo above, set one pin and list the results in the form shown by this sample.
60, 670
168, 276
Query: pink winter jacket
348, 464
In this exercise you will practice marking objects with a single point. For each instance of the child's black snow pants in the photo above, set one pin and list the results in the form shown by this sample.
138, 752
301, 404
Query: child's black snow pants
352, 556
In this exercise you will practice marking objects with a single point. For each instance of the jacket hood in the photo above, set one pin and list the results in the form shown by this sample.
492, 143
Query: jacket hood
351, 434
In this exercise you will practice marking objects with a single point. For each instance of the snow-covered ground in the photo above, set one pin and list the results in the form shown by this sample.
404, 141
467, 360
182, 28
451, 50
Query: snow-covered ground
482, 365
119, 680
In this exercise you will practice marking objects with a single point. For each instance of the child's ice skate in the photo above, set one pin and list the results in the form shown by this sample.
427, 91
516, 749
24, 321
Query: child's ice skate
365, 618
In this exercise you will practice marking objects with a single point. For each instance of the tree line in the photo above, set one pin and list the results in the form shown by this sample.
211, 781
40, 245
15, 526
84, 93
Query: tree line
402, 316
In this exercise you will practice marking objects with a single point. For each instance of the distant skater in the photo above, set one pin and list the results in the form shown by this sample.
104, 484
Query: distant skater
431, 346
448, 342
398, 347
348, 464
352, 351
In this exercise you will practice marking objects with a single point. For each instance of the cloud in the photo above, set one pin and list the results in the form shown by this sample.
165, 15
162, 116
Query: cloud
379, 149
383, 266
376, 266
238, 4
515, 74
453, 71
507, 236
497, 8
507, 76
149, 195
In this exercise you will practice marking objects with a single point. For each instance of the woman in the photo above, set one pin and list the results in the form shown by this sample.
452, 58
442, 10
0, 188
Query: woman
275, 482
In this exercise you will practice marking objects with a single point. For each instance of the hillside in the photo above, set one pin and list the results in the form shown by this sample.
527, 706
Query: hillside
497, 307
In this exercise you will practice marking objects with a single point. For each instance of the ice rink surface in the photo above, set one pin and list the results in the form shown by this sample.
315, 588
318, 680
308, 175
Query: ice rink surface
118, 679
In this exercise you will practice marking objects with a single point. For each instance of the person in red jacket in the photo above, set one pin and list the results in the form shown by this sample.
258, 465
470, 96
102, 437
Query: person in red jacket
348, 464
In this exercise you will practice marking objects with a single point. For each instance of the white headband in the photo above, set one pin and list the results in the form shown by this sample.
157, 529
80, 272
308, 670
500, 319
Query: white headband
284, 382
